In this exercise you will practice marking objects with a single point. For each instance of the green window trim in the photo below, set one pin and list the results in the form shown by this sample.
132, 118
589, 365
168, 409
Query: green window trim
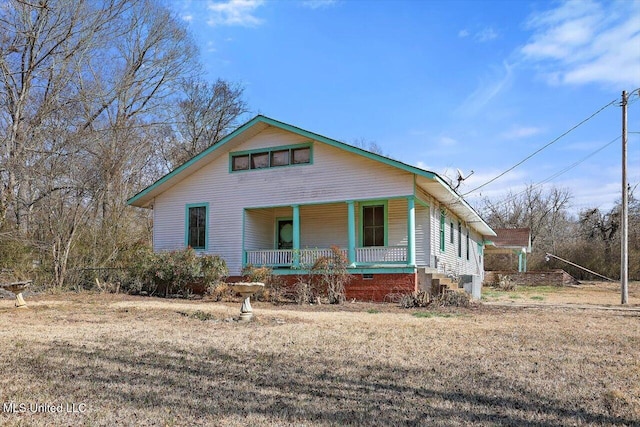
187, 226
443, 220
271, 158
459, 239
384, 204
467, 240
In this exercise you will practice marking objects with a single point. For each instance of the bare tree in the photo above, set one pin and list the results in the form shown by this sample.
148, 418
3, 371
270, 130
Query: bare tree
206, 114
542, 210
83, 91
41, 45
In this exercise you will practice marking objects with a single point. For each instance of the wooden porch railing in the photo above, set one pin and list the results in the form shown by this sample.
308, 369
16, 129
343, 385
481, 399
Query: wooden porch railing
307, 257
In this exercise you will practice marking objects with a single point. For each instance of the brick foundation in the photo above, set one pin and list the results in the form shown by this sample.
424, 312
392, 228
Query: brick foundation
532, 278
378, 288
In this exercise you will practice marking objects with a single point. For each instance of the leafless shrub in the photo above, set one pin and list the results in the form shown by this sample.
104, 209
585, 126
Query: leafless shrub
274, 289
329, 274
453, 299
505, 283
419, 299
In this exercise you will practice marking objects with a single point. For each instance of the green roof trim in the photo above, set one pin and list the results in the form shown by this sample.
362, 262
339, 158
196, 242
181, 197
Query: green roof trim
290, 128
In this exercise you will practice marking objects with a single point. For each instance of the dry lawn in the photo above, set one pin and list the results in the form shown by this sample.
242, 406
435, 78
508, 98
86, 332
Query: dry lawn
146, 361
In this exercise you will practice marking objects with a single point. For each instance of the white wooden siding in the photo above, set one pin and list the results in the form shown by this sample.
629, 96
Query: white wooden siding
449, 261
335, 175
322, 226
259, 229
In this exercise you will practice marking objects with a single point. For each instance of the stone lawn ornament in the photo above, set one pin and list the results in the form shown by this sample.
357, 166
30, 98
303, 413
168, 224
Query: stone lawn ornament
246, 289
17, 288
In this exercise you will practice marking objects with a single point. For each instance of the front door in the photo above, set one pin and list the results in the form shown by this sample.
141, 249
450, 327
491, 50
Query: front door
285, 234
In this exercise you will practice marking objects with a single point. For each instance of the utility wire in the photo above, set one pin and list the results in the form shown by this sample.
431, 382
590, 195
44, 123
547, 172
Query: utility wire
542, 148
561, 172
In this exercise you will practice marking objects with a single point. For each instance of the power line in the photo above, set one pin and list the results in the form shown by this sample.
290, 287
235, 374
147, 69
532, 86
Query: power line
560, 172
542, 148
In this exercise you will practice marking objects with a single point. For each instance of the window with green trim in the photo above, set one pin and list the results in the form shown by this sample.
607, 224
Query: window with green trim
271, 158
451, 238
442, 222
467, 240
197, 227
459, 239
373, 225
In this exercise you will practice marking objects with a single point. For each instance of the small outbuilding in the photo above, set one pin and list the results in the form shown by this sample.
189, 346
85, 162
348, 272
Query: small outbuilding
515, 241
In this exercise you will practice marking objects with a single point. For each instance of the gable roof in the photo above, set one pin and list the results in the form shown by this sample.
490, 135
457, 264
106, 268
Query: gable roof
429, 181
512, 238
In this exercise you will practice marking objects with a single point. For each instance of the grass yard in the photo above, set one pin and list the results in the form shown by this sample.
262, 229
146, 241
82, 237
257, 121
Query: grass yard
118, 359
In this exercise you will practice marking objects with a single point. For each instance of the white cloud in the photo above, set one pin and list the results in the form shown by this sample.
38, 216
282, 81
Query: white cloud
234, 12
187, 17
487, 90
446, 141
483, 35
520, 132
319, 4
582, 41
486, 34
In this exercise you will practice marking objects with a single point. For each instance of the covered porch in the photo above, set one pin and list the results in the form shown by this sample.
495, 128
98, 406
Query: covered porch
369, 233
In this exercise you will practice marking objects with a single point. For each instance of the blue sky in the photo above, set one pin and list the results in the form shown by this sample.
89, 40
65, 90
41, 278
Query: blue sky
474, 85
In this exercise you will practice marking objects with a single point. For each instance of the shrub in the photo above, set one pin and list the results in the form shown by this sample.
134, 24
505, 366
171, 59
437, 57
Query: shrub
505, 283
273, 290
453, 299
177, 272
329, 275
419, 299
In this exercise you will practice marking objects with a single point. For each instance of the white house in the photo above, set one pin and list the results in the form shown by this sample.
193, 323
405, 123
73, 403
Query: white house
271, 194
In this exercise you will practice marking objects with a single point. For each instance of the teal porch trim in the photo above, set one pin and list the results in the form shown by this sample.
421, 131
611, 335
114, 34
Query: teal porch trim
356, 270
206, 225
522, 261
244, 252
411, 231
296, 235
333, 202
351, 230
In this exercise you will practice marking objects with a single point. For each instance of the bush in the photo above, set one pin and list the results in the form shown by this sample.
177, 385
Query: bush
273, 290
329, 275
505, 283
453, 299
419, 299
177, 272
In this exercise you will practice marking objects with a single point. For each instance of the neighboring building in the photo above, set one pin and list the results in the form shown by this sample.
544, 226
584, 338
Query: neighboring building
271, 194
511, 241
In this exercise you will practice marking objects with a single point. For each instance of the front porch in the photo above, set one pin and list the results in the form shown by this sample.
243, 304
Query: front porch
370, 234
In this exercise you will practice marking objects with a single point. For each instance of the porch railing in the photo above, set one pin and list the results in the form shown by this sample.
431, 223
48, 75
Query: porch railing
382, 254
307, 257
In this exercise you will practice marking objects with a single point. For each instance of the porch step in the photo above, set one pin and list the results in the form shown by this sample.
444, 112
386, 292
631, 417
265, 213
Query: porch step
435, 283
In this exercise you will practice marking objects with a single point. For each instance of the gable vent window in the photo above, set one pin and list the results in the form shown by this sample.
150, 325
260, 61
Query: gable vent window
271, 158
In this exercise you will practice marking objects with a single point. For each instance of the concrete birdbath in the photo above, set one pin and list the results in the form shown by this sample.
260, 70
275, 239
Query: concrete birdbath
246, 289
17, 288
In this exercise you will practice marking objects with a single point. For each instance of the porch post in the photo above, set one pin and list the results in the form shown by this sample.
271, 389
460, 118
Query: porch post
520, 261
351, 233
411, 231
296, 235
